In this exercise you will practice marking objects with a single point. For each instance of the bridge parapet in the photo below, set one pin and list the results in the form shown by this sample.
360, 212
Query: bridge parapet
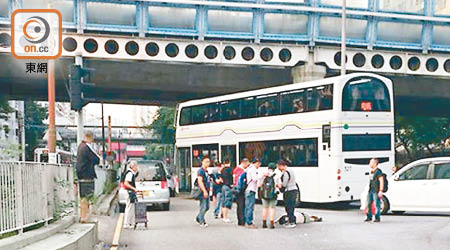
393, 24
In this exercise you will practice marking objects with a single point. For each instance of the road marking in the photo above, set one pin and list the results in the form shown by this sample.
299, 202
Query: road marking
117, 232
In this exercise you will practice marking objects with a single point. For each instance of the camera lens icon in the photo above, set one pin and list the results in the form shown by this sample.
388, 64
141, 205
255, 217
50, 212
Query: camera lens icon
36, 29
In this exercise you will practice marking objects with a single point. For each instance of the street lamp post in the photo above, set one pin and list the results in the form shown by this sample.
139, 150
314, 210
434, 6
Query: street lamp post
343, 37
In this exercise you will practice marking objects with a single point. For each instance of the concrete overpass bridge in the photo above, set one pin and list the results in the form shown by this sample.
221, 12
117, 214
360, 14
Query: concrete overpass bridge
154, 51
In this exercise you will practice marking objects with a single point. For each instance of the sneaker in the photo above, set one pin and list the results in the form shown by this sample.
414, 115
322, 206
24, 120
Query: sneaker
377, 220
128, 226
204, 225
227, 220
272, 225
290, 225
367, 220
216, 217
251, 226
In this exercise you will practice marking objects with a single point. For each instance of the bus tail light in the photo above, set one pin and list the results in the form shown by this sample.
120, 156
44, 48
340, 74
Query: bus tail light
164, 185
338, 171
339, 177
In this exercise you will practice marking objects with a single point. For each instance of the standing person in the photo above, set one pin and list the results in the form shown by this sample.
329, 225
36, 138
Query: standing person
204, 185
226, 177
375, 190
268, 184
240, 197
130, 186
86, 161
289, 189
217, 192
250, 192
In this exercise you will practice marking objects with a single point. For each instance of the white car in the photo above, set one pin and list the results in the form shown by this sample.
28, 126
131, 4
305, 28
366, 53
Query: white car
152, 181
422, 186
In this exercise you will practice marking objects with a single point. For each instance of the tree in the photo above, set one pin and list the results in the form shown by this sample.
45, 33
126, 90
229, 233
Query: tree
421, 136
34, 127
5, 109
162, 125
164, 131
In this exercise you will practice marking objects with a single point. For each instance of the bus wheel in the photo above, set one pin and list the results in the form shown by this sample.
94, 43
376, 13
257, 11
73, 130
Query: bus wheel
298, 200
384, 205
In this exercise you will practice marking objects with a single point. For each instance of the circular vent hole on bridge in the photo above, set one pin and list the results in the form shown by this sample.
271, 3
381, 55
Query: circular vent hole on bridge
248, 53
447, 65
266, 54
191, 51
396, 62
432, 64
152, 49
285, 55
337, 58
210, 52
111, 47
229, 52
132, 48
377, 61
69, 44
414, 63
90, 45
359, 60
172, 50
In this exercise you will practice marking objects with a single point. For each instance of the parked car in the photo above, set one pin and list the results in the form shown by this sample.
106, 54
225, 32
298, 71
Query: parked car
422, 186
152, 180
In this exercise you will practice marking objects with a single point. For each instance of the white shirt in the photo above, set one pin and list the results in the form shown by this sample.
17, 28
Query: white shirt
129, 176
252, 179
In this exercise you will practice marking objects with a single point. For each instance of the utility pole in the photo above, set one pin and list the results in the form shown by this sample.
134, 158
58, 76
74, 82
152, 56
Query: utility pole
343, 37
51, 140
103, 138
22, 128
80, 122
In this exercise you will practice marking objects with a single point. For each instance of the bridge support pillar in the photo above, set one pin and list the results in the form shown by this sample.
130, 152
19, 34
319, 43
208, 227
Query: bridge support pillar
308, 72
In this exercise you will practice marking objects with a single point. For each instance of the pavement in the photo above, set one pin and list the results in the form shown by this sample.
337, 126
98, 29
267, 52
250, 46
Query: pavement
342, 228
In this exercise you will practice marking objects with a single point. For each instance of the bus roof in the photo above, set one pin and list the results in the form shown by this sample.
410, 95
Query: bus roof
275, 89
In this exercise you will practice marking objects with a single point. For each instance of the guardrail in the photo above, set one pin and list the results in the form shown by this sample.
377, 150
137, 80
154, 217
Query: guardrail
33, 193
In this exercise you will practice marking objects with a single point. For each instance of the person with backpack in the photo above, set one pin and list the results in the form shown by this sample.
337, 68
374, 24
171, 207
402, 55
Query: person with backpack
290, 192
130, 185
226, 177
204, 185
85, 165
268, 194
377, 185
239, 187
250, 192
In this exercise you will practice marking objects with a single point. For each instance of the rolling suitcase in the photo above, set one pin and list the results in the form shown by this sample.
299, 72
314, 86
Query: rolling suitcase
140, 213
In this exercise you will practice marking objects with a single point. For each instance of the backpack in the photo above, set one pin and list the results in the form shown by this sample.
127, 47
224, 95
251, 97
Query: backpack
385, 182
268, 188
283, 189
242, 183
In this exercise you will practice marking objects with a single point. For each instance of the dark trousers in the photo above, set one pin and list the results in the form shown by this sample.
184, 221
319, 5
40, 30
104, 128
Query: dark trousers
290, 200
240, 202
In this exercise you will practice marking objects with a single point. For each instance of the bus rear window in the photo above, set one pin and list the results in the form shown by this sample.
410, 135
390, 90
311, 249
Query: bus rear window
365, 94
366, 142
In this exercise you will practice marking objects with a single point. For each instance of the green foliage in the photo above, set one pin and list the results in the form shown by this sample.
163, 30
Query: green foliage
8, 150
154, 151
422, 136
5, 109
162, 125
34, 127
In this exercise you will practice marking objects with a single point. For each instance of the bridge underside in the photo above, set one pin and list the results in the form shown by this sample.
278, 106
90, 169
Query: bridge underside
155, 83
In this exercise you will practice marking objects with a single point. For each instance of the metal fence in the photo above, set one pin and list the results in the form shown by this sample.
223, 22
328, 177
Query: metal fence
33, 193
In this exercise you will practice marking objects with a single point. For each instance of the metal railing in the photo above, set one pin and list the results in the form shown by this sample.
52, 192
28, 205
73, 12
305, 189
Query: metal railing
33, 193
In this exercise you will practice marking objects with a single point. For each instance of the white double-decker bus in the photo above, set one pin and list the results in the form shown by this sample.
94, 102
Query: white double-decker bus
326, 130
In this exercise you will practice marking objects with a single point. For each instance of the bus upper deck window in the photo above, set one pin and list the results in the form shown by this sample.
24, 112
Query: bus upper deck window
365, 94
